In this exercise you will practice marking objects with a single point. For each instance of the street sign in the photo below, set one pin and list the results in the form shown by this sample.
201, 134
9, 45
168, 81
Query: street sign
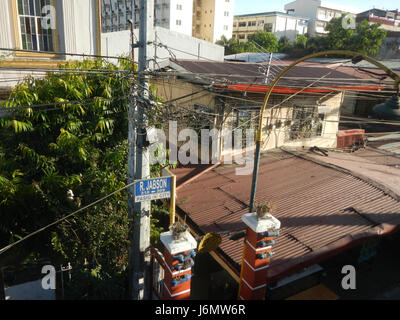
153, 189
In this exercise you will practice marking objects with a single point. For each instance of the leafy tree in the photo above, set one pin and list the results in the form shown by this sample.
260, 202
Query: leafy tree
338, 37
301, 41
233, 46
368, 38
284, 44
59, 158
265, 39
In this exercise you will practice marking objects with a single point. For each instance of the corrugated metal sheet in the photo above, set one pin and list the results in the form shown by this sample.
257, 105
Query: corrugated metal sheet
244, 72
316, 205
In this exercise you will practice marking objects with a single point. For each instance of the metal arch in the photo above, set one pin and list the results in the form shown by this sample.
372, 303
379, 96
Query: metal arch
387, 70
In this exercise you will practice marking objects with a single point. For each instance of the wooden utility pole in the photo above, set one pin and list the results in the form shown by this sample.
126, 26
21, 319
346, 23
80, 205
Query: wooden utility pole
139, 164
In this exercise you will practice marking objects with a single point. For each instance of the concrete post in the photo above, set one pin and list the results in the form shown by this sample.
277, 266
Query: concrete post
257, 255
179, 257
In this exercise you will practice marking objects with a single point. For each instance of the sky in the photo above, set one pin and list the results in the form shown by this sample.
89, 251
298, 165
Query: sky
254, 6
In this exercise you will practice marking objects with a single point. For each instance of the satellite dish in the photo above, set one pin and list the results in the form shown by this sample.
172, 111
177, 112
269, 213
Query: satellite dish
210, 242
389, 110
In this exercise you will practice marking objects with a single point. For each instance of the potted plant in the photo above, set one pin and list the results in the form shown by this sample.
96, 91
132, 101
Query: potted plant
178, 230
265, 210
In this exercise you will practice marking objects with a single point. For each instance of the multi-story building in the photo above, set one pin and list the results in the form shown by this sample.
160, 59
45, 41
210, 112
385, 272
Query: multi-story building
175, 15
279, 23
115, 14
389, 19
50, 26
213, 19
36, 33
319, 13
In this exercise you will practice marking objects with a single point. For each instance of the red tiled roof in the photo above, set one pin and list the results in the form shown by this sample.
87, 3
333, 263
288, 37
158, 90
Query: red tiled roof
321, 209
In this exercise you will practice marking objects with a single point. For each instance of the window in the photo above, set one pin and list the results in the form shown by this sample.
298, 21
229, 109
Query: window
33, 35
226, 13
178, 22
234, 25
178, 7
260, 23
226, 27
306, 123
252, 23
242, 36
268, 27
242, 24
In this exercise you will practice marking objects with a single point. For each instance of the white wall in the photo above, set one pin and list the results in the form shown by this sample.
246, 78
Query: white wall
220, 20
29, 291
6, 26
117, 43
304, 8
185, 15
79, 27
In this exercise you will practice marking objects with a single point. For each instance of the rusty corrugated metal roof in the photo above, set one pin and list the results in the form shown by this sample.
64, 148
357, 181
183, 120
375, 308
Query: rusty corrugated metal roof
318, 206
254, 73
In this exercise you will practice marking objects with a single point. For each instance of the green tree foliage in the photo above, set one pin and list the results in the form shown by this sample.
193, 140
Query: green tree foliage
365, 39
78, 145
233, 46
265, 39
284, 44
368, 38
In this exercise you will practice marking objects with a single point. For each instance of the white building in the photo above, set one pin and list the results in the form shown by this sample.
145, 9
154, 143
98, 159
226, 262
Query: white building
319, 12
44, 29
175, 15
279, 23
213, 19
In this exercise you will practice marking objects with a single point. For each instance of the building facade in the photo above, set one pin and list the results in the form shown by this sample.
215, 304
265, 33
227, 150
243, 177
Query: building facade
35, 32
278, 23
213, 19
389, 19
175, 15
319, 13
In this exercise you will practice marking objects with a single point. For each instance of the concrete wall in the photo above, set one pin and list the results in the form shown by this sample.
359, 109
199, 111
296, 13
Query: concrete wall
390, 49
275, 135
278, 137
181, 45
282, 25
184, 16
349, 103
29, 291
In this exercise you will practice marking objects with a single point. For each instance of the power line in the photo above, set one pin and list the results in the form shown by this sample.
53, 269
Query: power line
66, 54
64, 218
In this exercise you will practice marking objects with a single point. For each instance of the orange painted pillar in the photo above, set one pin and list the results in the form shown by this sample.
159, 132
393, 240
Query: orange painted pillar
179, 257
260, 238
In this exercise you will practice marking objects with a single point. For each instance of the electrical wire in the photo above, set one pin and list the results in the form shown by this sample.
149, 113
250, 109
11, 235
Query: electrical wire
6, 248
